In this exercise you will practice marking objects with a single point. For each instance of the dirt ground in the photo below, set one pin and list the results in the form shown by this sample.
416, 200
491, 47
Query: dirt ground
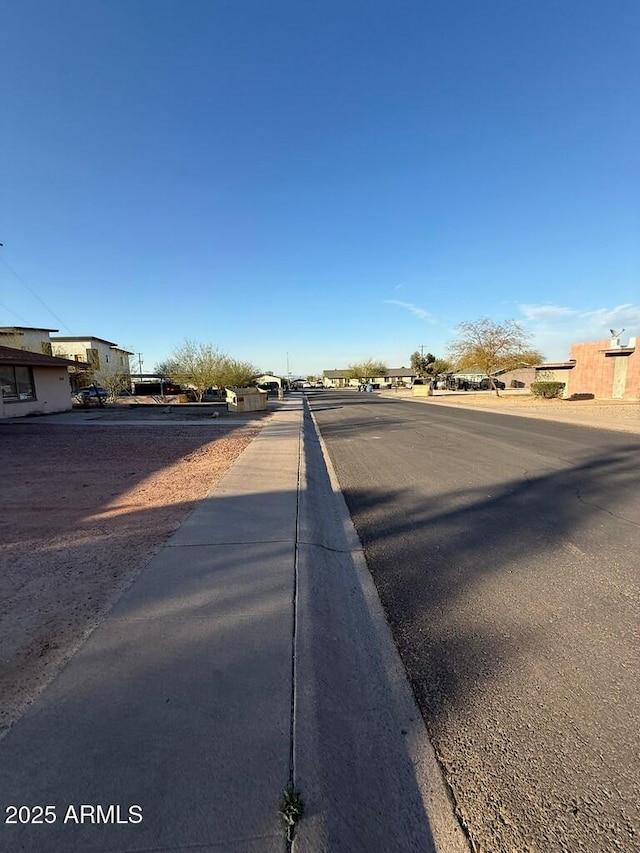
621, 415
89, 498
84, 507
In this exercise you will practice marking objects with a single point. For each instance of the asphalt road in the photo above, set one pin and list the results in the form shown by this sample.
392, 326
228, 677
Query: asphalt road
505, 552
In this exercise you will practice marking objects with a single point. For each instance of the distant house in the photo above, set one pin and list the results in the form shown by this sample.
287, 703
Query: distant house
269, 378
519, 377
33, 383
394, 376
555, 371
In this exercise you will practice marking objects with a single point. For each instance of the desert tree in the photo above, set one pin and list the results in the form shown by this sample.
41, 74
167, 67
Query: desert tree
202, 366
490, 346
235, 373
366, 371
420, 362
438, 366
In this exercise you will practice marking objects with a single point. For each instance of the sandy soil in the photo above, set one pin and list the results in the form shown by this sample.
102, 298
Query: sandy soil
622, 415
84, 507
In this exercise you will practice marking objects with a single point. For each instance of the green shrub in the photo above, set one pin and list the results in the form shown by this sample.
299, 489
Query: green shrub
547, 389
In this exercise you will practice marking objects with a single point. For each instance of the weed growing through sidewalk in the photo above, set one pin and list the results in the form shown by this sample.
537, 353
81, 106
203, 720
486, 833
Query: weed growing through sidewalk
291, 809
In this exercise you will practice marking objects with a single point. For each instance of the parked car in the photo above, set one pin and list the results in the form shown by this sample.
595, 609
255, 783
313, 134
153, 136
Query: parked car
93, 392
90, 394
485, 385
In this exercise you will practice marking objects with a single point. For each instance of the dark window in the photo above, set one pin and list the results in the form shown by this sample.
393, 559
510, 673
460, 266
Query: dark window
16, 384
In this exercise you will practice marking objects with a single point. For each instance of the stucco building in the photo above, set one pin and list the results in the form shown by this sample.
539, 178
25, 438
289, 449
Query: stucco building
605, 369
26, 338
394, 376
33, 383
97, 352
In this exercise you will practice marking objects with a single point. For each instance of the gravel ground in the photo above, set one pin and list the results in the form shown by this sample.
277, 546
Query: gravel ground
621, 415
84, 507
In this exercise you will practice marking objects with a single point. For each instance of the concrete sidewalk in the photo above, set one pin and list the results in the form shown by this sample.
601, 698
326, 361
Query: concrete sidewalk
251, 651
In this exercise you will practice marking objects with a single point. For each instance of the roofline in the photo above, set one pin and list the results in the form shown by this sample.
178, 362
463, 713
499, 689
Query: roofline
9, 329
69, 338
19, 357
552, 365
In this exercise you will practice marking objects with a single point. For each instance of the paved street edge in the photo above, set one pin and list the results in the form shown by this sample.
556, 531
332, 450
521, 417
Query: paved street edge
448, 834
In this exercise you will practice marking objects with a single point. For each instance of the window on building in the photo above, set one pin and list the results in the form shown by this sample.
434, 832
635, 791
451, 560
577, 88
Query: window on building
16, 384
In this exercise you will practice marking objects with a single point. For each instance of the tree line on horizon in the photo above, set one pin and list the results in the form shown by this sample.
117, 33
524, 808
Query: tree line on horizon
484, 345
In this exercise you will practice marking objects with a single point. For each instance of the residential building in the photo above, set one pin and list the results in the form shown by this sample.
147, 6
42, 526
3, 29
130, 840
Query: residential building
605, 369
268, 378
97, 352
518, 377
394, 376
33, 383
26, 338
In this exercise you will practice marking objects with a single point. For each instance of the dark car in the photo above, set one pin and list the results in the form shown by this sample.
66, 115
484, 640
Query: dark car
89, 394
485, 385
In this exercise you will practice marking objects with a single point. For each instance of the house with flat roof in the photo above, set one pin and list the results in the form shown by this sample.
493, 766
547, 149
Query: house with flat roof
26, 338
99, 353
605, 369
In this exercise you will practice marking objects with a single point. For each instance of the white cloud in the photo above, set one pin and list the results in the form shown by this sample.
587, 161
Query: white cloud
545, 312
624, 315
556, 327
414, 309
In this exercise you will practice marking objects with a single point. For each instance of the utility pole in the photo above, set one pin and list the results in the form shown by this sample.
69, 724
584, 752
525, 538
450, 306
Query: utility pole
140, 364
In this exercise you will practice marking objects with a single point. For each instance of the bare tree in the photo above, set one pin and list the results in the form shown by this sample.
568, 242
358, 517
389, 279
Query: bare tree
112, 380
366, 371
490, 346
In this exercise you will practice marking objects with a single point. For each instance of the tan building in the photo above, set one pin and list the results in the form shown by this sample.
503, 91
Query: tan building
26, 338
519, 377
32, 383
394, 376
97, 352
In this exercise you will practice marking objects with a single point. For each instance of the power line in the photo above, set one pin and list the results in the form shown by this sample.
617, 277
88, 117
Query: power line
6, 308
33, 293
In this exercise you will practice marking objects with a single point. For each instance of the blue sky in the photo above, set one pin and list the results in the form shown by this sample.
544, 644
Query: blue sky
330, 180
